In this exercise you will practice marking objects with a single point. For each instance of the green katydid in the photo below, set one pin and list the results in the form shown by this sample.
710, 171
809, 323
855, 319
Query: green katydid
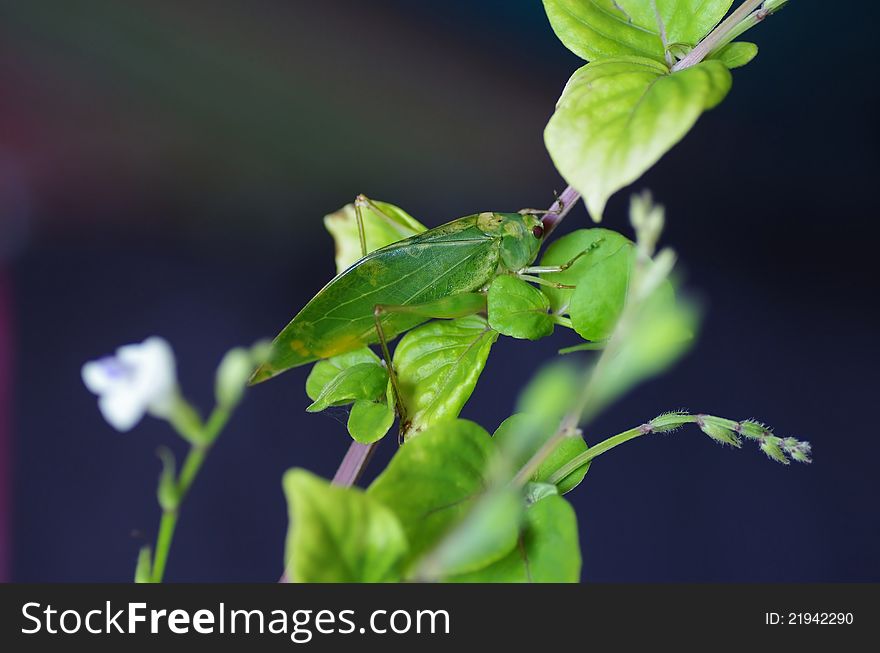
440, 273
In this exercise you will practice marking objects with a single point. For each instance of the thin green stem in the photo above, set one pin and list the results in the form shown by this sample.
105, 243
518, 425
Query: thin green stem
163, 544
593, 452
188, 472
716, 36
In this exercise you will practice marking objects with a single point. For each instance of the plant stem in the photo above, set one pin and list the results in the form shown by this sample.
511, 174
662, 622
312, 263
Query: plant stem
195, 458
358, 455
716, 36
593, 452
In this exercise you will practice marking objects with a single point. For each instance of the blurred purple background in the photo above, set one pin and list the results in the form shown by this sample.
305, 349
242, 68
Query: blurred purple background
164, 167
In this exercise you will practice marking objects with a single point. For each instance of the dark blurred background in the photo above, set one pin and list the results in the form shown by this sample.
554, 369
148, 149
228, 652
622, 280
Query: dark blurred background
164, 167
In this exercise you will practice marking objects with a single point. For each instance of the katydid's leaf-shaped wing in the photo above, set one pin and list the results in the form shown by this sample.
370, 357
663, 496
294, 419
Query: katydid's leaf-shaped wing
596, 29
383, 224
438, 365
434, 479
598, 244
518, 310
617, 117
737, 54
547, 550
339, 535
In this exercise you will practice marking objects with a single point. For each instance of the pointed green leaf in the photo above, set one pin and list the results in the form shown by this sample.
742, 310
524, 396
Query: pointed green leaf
737, 54
143, 572
383, 227
518, 309
598, 244
323, 372
438, 365
361, 381
548, 550
434, 479
339, 535
617, 117
596, 29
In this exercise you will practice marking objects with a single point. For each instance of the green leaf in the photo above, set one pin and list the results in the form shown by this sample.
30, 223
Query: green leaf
595, 29
737, 54
617, 117
434, 479
323, 372
361, 381
598, 244
518, 310
547, 551
369, 421
552, 391
234, 371
383, 227
525, 429
143, 572
600, 295
661, 332
438, 365
339, 535
485, 535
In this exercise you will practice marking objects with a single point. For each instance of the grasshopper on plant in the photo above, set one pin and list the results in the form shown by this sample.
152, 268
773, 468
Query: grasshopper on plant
441, 273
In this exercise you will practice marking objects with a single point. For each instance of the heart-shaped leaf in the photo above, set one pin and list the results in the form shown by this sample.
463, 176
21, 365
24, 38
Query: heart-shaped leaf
737, 54
438, 365
339, 535
518, 309
547, 550
434, 479
361, 381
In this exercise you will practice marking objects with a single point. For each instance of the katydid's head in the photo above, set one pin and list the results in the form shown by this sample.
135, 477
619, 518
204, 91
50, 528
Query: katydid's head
521, 237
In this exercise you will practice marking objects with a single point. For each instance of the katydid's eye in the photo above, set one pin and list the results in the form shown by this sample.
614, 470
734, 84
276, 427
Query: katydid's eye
538, 231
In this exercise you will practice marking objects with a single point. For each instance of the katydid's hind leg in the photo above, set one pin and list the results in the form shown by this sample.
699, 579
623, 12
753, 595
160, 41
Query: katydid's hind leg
362, 201
378, 312
460, 305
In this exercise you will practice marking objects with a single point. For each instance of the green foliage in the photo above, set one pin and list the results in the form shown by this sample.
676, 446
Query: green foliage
486, 535
383, 224
359, 378
438, 365
596, 29
617, 117
601, 293
547, 550
524, 428
518, 310
434, 479
736, 55
598, 244
339, 535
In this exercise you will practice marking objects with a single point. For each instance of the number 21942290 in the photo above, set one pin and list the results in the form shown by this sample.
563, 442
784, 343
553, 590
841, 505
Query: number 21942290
808, 618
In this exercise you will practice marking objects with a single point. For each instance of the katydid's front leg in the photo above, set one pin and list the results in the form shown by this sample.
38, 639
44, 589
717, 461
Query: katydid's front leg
445, 308
547, 269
